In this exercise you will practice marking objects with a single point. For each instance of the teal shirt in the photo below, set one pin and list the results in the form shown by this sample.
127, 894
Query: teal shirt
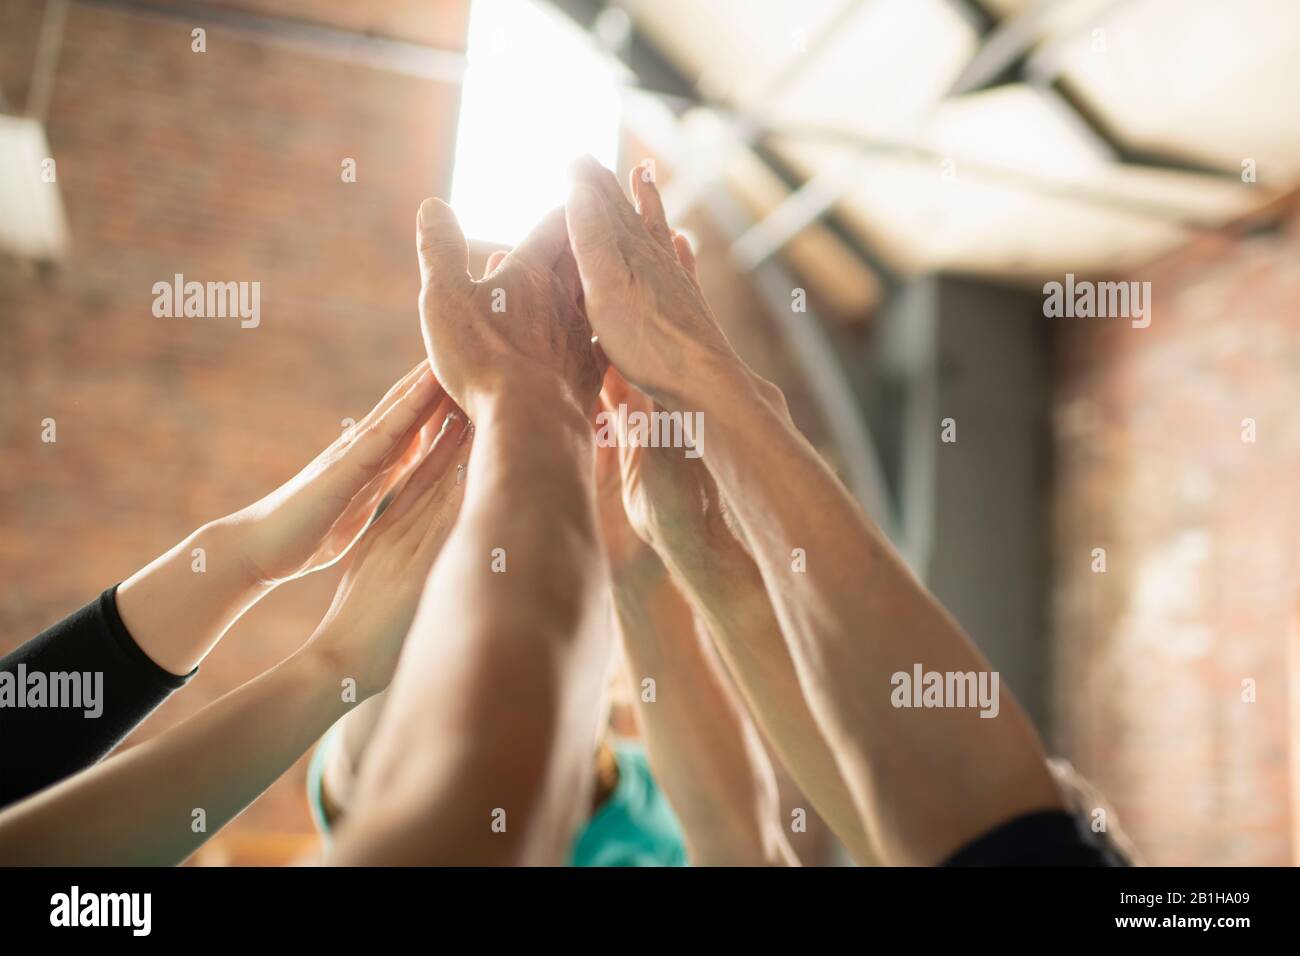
634, 827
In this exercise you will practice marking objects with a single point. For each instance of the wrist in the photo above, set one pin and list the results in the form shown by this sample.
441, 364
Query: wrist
539, 405
325, 664
705, 370
234, 539
520, 388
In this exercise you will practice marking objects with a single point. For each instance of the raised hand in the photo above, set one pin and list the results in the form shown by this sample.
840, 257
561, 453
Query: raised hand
376, 600
627, 551
135, 807
311, 521
524, 318
643, 303
670, 500
176, 615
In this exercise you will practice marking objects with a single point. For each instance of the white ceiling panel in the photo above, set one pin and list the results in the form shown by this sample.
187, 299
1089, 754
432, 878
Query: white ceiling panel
1010, 181
1208, 80
735, 48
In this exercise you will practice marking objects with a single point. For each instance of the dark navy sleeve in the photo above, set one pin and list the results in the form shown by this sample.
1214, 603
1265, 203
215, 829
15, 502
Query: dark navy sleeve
71, 694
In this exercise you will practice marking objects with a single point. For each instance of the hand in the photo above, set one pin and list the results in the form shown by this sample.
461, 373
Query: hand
523, 319
668, 500
644, 304
363, 630
628, 554
312, 520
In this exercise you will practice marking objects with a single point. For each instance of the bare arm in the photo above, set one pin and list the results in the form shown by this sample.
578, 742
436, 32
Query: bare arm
725, 585
703, 748
496, 715
904, 765
156, 803
179, 605
925, 781
483, 754
676, 507
701, 744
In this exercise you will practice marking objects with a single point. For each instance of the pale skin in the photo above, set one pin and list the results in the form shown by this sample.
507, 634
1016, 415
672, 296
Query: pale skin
348, 748
924, 782
495, 721
703, 748
138, 807
675, 506
177, 615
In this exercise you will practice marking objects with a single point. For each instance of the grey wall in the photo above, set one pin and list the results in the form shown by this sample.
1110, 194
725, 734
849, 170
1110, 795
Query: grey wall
974, 511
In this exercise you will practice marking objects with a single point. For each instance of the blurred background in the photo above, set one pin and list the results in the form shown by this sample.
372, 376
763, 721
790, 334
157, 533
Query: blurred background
878, 191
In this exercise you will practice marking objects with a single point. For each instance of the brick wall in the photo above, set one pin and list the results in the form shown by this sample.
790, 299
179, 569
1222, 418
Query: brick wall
1202, 537
221, 166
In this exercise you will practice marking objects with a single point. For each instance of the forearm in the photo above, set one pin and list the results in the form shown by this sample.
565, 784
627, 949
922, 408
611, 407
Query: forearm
725, 586
493, 721
854, 615
179, 605
142, 807
705, 753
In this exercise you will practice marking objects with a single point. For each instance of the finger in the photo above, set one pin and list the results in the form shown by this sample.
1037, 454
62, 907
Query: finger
427, 475
685, 255
394, 393
650, 206
443, 501
443, 252
391, 478
410, 453
493, 261
545, 243
381, 437
594, 238
585, 169
369, 488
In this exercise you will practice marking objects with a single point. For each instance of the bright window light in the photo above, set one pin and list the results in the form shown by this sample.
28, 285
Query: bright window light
537, 93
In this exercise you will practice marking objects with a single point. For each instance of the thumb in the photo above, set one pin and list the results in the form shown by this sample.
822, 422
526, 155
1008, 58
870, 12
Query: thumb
443, 252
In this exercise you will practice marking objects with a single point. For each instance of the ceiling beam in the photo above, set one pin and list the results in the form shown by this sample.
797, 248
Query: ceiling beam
380, 53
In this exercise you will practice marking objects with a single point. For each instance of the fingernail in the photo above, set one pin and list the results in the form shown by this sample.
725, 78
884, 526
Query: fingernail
447, 424
460, 474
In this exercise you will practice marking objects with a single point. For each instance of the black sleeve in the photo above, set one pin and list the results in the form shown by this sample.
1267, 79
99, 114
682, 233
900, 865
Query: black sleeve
1049, 838
71, 694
